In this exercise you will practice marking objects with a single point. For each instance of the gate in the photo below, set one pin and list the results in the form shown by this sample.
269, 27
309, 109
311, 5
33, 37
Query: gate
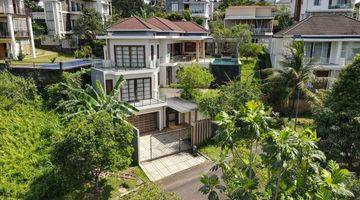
170, 142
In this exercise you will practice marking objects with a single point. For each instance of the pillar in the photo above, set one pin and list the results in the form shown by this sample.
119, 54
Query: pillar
12, 35
197, 51
203, 49
31, 34
338, 53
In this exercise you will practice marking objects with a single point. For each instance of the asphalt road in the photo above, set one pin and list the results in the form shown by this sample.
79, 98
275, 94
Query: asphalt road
187, 183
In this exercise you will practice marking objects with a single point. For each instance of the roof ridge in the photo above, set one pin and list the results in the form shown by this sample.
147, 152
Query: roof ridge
143, 22
160, 19
296, 25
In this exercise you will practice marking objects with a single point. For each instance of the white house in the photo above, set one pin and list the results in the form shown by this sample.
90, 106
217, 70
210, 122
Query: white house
16, 32
148, 54
197, 8
302, 9
60, 17
259, 18
331, 42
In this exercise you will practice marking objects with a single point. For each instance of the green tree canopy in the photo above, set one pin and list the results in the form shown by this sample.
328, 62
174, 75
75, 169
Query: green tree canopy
189, 82
338, 120
89, 25
126, 8
92, 144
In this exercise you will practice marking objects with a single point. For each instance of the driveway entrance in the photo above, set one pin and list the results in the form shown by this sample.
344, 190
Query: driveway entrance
160, 144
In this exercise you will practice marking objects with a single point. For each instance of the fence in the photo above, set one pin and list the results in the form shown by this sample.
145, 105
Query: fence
202, 131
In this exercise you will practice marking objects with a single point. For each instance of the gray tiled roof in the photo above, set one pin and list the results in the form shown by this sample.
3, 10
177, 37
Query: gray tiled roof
323, 25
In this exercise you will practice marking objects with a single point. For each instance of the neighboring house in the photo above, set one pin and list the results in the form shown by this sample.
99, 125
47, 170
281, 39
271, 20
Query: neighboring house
15, 29
259, 18
331, 42
302, 9
198, 8
148, 55
357, 9
60, 18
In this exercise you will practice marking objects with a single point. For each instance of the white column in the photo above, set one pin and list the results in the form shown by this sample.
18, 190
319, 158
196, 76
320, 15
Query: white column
197, 51
12, 35
338, 53
31, 34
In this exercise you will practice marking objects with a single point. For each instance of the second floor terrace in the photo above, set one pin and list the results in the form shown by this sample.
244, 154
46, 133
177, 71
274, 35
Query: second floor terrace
16, 7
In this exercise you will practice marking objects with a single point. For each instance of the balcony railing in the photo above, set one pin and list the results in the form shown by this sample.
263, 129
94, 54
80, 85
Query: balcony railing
261, 30
21, 33
109, 64
341, 6
4, 34
148, 102
182, 58
321, 61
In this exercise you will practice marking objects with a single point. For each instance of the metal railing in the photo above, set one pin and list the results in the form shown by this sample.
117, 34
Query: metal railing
182, 58
109, 64
261, 30
148, 102
341, 6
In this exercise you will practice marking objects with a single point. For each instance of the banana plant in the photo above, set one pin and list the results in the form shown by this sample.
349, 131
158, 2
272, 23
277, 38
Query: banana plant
94, 99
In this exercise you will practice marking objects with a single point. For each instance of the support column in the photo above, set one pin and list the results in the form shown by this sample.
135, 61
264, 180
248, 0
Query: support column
338, 53
197, 51
31, 34
183, 48
12, 35
203, 49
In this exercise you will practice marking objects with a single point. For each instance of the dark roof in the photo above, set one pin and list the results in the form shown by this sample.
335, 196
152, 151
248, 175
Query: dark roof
190, 27
133, 23
323, 25
164, 24
181, 105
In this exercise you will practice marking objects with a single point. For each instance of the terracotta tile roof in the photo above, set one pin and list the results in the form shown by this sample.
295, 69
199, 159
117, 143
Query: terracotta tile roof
133, 23
190, 27
164, 24
324, 24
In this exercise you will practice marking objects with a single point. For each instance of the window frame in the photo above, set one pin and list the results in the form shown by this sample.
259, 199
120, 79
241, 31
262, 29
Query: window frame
130, 56
135, 88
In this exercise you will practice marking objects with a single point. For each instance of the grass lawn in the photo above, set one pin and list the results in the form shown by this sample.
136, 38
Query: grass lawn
43, 56
211, 150
247, 70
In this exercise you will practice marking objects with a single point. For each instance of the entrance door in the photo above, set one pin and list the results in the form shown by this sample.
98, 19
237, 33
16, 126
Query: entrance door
2, 50
172, 117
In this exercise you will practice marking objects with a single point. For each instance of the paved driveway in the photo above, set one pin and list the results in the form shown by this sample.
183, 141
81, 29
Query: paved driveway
166, 166
187, 183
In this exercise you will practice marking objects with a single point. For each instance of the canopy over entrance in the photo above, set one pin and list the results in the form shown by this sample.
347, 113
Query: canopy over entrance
181, 105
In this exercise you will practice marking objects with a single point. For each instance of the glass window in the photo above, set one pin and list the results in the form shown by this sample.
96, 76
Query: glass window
316, 2
174, 7
158, 51
152, 52
136, 89
130, 56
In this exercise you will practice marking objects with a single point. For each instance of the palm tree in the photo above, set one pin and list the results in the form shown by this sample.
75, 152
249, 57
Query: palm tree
294, 76
91, 100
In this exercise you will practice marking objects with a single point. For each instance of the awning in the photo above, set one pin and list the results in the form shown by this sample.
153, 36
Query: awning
181, 105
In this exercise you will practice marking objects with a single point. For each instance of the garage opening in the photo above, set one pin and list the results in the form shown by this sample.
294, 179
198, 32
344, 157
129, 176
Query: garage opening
146, 122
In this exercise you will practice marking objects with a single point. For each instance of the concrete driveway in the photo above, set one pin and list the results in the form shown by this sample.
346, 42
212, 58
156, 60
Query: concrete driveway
187, 183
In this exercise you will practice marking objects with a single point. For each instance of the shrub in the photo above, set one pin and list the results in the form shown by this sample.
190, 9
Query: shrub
21, 55
84, 52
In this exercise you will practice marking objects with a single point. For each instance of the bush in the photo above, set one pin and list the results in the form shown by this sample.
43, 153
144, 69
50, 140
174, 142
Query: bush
151, 192
84, 52
21, 55
190, 83
200, 21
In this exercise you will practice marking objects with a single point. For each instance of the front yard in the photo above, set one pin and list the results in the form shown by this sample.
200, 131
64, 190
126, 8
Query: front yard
42, 57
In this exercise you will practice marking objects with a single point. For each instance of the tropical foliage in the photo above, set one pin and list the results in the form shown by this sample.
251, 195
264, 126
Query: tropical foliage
290, 82
190, 83
338, 120
266, 163
92, 100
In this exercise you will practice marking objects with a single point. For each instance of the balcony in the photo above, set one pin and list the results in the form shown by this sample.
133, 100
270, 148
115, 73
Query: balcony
21, 34
261, 31
182, 58
148, 102
109, 64
4, 34
340, 5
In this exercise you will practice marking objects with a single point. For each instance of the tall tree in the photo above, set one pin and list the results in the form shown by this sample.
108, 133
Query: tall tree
89, 25
290, 81
126, 8
338, 120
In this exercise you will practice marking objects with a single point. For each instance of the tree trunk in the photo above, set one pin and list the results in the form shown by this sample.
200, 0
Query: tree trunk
291, 111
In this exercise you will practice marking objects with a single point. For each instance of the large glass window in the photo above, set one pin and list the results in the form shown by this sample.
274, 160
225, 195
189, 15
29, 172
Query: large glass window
130, 56
318, 52
316, 2
136, 89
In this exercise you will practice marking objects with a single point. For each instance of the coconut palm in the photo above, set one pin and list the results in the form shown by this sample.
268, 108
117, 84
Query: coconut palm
294, 76
91, 100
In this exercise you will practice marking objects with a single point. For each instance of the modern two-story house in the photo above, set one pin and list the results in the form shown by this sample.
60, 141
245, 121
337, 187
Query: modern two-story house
302, 9
148, 54
331, 42
16, 33
259, 18
198, 8
60, 18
